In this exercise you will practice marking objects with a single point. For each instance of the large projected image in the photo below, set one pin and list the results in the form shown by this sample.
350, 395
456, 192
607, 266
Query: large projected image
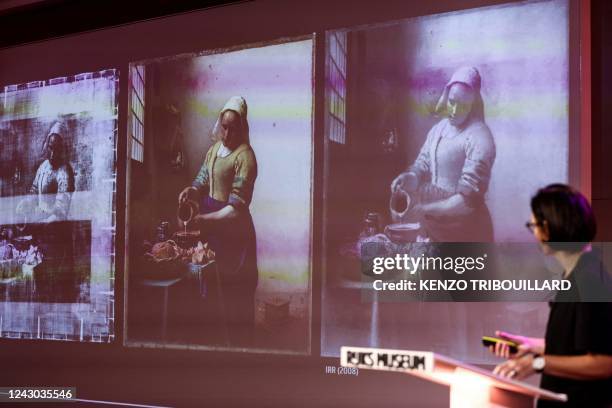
57, 223
219, 197
439, 130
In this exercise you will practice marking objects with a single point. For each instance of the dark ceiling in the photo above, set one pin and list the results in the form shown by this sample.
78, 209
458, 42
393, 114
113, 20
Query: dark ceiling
24, 21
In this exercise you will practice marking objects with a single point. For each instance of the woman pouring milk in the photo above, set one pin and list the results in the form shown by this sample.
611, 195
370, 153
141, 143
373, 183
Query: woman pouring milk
224, 187
451, 174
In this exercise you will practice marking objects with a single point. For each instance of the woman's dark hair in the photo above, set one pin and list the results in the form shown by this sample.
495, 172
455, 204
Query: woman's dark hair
568, 217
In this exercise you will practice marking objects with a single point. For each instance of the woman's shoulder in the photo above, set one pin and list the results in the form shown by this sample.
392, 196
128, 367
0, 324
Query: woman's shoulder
440, 126
214, 147
244, 156
590, 261
478, 136
44, 166
478, 128
475, 129
212, 150
592, 277
245, 151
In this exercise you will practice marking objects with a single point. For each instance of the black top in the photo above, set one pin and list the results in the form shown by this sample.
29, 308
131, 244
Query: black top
578, 328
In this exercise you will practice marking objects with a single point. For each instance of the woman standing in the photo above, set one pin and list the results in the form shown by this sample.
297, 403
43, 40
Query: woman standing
224, 186
55, 278
575, 357
451, 174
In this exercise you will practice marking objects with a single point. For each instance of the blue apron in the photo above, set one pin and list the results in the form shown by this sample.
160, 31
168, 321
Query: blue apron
234, 244
235, 249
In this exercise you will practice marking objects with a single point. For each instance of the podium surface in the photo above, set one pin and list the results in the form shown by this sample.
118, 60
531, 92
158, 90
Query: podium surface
470, 386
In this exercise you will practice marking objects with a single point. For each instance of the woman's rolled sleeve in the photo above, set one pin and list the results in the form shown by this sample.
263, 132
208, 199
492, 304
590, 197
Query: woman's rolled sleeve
422, 165
202, 179
245, 168
476, 172
65, 188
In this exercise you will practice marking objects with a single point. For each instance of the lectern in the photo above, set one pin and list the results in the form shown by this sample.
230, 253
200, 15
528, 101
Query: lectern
470, 386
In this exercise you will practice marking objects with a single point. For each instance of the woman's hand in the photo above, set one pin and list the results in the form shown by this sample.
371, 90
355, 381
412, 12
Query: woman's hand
526, 345
516, 368
184, 195
406, 181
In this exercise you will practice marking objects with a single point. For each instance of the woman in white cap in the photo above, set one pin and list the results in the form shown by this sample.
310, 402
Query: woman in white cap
48, 206
451, 174
224, 187
53, 184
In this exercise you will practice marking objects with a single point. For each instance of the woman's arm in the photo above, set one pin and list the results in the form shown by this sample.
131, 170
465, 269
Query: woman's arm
65, 188
421, 168
200, 184
229, 212
584, 367
451, 206
474, 179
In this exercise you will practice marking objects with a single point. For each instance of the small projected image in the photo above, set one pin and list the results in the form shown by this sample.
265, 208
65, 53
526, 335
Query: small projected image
57, 207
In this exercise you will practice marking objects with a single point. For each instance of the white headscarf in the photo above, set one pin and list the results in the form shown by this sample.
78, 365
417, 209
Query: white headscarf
468, 76
236, 104
59, 129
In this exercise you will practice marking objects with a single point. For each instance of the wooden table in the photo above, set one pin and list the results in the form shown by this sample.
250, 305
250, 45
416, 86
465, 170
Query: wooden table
195, 271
